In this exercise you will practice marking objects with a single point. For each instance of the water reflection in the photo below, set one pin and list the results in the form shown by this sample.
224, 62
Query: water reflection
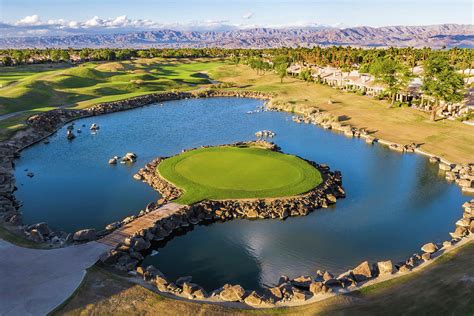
395, 203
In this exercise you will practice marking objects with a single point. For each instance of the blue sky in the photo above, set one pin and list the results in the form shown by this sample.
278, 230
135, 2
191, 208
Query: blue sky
30, 15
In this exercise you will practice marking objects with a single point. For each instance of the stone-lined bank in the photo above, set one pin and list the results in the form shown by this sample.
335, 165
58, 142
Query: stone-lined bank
303, 289
321, 196
461, 174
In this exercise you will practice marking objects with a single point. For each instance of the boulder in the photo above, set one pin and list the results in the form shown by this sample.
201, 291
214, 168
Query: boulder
189, 288
275, 292
444, 167
362, 272
426, 256
385, 267
447, 244
70, 135
465, 183
113, 226
36, 236
232, 293
112, 161
15, 220
253, 299
298, 295
317, 287
251, 213
429, 248
85, 235
328, 276
110, 257
459, 232
463, 222
331, 198
173, 288
140, 270
43, 229
302, 281
129, 157
153, 270
283, 279
161, 283
404, 268
200, 294
141, 244
126, 263
434, 159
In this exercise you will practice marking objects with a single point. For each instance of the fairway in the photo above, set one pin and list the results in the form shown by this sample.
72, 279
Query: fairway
236, 173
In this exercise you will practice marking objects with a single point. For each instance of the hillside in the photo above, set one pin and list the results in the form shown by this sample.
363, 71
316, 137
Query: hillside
436, 36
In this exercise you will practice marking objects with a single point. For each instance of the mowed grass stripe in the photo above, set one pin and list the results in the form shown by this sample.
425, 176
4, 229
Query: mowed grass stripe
226, 172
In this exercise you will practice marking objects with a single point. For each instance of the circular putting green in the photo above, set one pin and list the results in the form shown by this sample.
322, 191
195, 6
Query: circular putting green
228, 172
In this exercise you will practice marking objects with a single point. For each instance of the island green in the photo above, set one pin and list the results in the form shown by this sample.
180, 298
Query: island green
228, 172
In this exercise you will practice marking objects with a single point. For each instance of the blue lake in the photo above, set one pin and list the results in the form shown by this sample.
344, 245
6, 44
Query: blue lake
395, 203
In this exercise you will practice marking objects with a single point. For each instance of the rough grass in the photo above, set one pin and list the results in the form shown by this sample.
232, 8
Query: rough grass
226, 172
451, 140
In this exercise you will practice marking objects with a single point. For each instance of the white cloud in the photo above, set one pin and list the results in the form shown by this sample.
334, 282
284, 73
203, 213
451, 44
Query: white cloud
29, 20
247, 16
122, 24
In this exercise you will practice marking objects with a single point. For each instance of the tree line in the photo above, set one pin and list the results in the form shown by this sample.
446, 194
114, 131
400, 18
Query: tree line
393, 67
344, 57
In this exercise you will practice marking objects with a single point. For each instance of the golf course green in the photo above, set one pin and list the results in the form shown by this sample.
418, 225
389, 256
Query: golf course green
228, 172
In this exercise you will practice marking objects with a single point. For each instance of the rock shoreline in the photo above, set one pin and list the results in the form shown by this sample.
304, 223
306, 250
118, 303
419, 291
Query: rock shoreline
286, 291
321, 196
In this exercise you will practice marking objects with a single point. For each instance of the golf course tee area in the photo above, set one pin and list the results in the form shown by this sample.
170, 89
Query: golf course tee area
240, 172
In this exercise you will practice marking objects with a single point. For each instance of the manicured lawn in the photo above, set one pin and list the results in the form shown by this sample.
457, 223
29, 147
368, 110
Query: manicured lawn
226, 172
9, 75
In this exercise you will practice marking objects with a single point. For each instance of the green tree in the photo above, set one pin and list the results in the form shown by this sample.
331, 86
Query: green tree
55, 55
441, 82
305, 75
7, 61
392, 73
280, 65
64, 55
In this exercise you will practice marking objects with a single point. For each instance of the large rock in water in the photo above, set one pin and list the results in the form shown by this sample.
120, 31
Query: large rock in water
317, 287
385, 267
429, 248
253, 299
36, 236
43, 228
232, 293
362, 272
85, 235
444, 167
302, 281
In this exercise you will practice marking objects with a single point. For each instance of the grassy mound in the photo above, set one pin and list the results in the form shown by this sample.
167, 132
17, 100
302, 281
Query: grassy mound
227, 172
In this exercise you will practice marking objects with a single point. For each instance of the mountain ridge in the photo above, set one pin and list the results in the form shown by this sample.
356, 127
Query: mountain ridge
435, 36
